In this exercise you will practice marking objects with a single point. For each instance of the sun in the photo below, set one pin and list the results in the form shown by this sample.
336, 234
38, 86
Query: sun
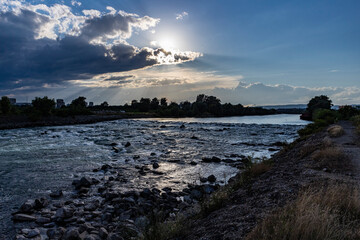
167, 43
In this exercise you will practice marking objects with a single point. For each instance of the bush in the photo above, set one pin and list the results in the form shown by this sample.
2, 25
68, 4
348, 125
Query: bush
328, 116
348, 112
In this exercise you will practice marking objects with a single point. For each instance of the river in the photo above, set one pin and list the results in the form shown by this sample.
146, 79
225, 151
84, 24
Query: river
34, 161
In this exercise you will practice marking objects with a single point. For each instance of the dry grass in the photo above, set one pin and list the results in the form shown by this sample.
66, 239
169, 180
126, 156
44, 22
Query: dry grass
331, 213
259, 168
307, 149
335, 131
330, 157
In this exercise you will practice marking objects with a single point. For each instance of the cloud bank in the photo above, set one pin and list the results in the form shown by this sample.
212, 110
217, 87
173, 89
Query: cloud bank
262, 94
43, 44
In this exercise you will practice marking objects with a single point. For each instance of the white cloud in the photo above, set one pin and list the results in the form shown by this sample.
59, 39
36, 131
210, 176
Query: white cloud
92, 13
180, 16
75, 3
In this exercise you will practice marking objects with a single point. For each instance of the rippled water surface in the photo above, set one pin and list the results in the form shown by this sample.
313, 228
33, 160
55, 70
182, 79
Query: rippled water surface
35, 161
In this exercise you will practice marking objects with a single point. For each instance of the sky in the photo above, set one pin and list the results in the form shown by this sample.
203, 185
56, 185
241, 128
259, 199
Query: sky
245, 51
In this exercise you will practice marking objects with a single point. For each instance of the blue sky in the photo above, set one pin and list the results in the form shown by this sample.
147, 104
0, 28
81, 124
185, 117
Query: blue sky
250, 52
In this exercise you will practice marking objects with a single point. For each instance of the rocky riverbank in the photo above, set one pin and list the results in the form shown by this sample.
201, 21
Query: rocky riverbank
97, 210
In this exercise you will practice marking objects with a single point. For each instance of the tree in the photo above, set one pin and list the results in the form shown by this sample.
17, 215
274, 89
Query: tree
104, 104
5, 105
154, 104
79, 102
43, 105
144, 104
319, 102
163, 102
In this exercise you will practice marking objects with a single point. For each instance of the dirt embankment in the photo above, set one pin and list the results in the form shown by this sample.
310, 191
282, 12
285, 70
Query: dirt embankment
316, 161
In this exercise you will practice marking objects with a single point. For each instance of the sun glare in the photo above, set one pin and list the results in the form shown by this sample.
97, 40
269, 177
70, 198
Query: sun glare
167, 43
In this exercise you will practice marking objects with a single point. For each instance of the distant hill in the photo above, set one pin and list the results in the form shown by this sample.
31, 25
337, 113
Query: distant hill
288, 106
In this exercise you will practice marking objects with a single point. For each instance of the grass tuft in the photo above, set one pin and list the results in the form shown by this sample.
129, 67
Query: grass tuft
335, 131
330, 157
331, 212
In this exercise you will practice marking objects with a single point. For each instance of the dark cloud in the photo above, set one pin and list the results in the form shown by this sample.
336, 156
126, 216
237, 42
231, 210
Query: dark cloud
27, 60
120, 78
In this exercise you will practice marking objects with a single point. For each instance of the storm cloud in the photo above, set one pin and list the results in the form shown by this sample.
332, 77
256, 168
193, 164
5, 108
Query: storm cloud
49, 45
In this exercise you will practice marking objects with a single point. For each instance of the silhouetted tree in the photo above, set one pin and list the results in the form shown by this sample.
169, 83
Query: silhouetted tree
154, 104
43, 105
79, 102
5, 105
186, 106
144, 104
319, 102
163, 102
104, 104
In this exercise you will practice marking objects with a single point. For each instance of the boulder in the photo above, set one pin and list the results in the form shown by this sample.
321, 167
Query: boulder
155, 165
128, 144
56, 194
23, 218
211, 178
71, 234
28, 206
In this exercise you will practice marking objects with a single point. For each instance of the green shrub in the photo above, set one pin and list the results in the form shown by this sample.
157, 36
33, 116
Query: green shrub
329, 116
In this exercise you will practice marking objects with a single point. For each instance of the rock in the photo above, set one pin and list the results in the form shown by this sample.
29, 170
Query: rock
113, 144
33, 233
193, 163
127, 144
228, 160
203, 179
162, 126
103, 233
42, 220
23, 218
211, 178
114, 236
182, 126
196, 194
115, 149
27, 206
194, 137
152, 154
136, 157
157, 172
142, 222
167, 189
83, 182
56, 194
64, 212
155, 165
208, 189
106, 167
71, 234
273, 149
212, 159
146, 193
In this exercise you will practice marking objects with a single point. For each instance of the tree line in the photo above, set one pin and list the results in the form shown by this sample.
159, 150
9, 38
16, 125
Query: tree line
203, 106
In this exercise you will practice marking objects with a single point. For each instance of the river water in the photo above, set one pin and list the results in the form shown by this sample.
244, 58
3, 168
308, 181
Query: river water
34, 161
